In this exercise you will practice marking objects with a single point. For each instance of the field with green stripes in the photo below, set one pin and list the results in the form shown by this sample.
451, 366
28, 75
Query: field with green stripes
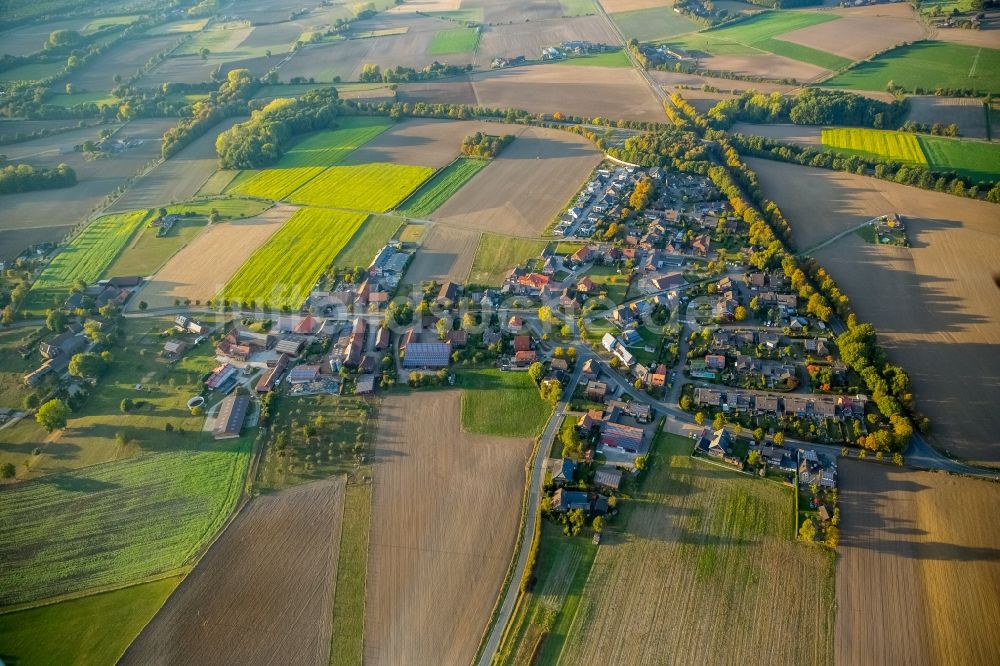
438, 189
375, 187
882, 144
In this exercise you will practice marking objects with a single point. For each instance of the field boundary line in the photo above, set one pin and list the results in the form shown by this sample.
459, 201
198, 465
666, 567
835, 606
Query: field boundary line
975, 63
83, 594
468, 276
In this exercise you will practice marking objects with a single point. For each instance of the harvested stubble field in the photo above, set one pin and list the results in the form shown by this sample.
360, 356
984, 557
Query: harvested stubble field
860, 31
375, 187
918, 568
201, 269
652, 23
773, 67
117, 522
446, 253
514, 11
614, 6
803, 135
264, 591
529, 39
434, 572
440, 188
125, 58
610, 92
697, 562
282, 272
935, 305
28, 39
424, 141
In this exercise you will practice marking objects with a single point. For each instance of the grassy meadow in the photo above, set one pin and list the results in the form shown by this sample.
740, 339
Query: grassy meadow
652, 24
332, 146
976, 160
375, 187
608, 59
347, 639
433, 193
370, 238
455, 40
502, 403
497, 254
282, 272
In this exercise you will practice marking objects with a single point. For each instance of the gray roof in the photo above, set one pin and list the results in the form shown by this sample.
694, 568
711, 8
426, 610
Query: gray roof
232, 413
427, 354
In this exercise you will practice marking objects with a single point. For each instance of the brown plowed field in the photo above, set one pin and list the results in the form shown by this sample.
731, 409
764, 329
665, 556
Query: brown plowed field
445, 514
918, 571
457, 90
446, 253
515, 11
263, 594
766, 64
671, 79
966, 112
425, 142
204, 266
935, 305
614, 6
125, 59
861, 31
803, 135
528, 39
612, 92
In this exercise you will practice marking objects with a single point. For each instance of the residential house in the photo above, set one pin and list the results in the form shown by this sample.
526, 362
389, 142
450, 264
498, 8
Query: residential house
564, 501
522, 343
563, 471
596, 391
524, 358
447, 294
608, 477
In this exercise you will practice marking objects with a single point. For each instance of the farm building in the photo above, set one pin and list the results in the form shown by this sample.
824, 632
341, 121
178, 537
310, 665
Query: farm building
621, 436
271, 378
366, 385
222, 378
303, 374
232, 413
290, 346
427, 355
608, 477
381, 338
174, 348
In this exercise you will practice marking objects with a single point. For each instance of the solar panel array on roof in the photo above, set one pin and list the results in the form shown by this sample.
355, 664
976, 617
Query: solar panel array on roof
427, 355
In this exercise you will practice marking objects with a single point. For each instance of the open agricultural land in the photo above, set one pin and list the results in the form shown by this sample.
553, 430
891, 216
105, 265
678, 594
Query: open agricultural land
529, 38
270, 277
440, 188
376, 187
426, 562
859, 32
677, 562
204, 266
264, 590
497, 254
653, 23
895, 146
373, 235
905, 552
445, 254
934, 304
966, 112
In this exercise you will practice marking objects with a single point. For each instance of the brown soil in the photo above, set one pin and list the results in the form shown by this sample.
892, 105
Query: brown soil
966, 112
425, 142
672, 79
862, 31
766, 65
264, 591
446, 253
614, 6
918, 568
445, 514
125, 59
528, 39
804, 135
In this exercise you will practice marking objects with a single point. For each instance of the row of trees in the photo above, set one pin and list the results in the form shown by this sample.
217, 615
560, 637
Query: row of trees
371, 73
25, 178
810, 107
231, 99
481, 144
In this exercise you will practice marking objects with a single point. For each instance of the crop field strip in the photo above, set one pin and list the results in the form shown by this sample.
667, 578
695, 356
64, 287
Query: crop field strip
375, 187
440, 187
373, 235
117, 522
884, 144
282, 272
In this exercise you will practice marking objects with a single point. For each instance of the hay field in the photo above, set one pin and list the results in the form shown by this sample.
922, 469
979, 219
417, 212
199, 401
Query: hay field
704, 565
918, 568
611, 92
528, 39
935, 305
263, 593
445, 513
201, 269
446, 253
525, 187
861, 31
966, 112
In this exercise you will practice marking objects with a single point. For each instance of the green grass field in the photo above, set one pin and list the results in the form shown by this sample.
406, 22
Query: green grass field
332, 146
85, 257
573, 8
370, 238
178, 27
883, 144
352, 572
99, 98
468, 15
274, 184
90, 630
454, 40
653, 24
497, 254
375, 187
439, 189
926, 65
609, 59
120, 521
615, 285
502, 403
976, 160
148, 252
282, 272
228, 208
762, 33
32, 72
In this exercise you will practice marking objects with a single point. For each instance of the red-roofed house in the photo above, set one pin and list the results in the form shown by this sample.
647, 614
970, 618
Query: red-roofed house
522, 343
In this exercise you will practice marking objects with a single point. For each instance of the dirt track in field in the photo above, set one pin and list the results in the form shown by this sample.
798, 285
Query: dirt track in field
445, 514
263, 594
204, 266
918, 568
935, 305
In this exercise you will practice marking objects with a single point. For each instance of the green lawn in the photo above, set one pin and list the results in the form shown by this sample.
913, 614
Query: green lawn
608, 59
497, 254
282, 272
120, 521
577, 8
90, 630
615, 285
99, 98
148, 252
85, 257
976, 160
352, 572
375, 187
439, 189
762, 33
653, 24
454, 40
502, 403
927, 65
880, 144
370, 238
32, 72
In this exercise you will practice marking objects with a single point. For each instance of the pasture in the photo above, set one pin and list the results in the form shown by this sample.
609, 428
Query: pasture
433, 193
276, 561
906, 552
330, 147
926, 65
497, 254
695, 554
422, 466
609, 59
282, 272
934, 304
203, 266
976, 160
145, 515
504, 404
375, 187
453, 41
878, 144
85, 257
90, 630
147, 253
373, 235
653, 23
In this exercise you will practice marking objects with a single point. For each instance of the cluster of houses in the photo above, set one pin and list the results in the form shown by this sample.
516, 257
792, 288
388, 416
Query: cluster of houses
811, 406
501, 62
114, 291
658, 54
56, 352
575, 47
